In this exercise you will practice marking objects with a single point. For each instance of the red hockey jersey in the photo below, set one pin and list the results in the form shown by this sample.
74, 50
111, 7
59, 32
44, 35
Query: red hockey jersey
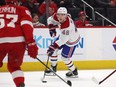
15, 24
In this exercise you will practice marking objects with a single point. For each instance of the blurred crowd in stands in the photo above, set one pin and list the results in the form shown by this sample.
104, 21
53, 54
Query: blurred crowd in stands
80, 13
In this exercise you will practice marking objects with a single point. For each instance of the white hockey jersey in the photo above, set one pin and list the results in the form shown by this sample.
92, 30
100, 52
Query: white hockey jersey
69, 34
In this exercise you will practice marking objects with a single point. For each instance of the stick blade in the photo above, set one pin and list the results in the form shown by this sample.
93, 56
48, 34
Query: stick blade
95, 80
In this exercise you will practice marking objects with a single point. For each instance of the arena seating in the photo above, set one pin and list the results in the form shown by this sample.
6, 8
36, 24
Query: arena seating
74, 12
111, 14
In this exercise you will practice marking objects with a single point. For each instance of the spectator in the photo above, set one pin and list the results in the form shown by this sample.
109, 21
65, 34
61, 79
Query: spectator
82, 20
30, 4
36, 22
101, 3
51, 10
65, 3
35, 2
40, 1
43, 18
77, 3
42, 8
114, 1
106, 3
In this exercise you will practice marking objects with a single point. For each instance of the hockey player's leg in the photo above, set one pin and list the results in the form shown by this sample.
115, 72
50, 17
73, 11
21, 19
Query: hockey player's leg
67, 53
53, 66
15, 59
17, 75
72, 70
53, 62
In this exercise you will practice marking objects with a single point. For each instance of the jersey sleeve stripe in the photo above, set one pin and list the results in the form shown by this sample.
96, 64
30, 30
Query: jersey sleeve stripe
12, 39
26, 22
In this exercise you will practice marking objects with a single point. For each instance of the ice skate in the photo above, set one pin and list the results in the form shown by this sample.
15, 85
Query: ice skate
49, 72
72, 74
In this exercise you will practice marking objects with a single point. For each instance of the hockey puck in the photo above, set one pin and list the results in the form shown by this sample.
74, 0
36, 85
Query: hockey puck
69, 83
42, 79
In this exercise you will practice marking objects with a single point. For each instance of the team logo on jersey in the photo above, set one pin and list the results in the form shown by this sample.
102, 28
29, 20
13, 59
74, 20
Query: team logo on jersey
114, 43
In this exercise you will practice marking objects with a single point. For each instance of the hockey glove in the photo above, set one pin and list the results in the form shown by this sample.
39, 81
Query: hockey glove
51, 49
52, 32
32, 49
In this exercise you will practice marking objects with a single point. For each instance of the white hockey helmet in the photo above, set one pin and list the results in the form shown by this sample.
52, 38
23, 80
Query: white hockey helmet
62, 10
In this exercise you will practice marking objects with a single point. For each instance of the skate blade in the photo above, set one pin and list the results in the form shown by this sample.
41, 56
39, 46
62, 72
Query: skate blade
74, 76
50, 74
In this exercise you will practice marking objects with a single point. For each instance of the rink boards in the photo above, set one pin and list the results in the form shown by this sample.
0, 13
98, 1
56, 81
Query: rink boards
95, 50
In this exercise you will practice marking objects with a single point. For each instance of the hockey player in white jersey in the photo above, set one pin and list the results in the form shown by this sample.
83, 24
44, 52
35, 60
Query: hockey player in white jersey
67, 41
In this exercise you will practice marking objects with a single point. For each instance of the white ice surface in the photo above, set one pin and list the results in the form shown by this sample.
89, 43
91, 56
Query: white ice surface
33, 79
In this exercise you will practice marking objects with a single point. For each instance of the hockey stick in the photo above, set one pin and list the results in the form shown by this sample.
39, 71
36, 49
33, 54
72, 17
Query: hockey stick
68, 82
99, 82
44, 81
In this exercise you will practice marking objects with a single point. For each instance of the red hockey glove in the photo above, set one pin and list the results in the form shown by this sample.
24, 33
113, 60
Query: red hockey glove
32, 49
51, 49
